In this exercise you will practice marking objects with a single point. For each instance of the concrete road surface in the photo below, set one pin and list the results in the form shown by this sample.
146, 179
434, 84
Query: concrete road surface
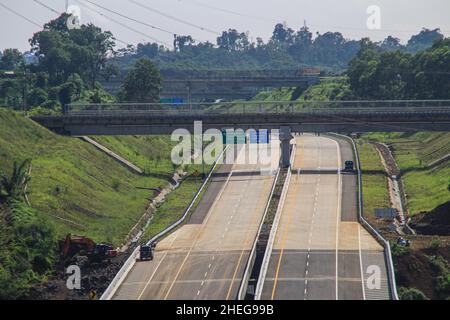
321, 252
206, 258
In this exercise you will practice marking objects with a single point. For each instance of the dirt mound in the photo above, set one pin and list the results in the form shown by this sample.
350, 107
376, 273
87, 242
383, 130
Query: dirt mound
94, 278
436, 222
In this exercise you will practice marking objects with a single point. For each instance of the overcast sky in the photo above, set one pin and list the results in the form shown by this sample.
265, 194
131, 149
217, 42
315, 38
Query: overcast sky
400, 18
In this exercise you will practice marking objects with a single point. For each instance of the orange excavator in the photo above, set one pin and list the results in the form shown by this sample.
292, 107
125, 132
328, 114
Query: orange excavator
74, 245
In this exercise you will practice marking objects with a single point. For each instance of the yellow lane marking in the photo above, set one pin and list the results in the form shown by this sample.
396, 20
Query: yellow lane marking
300, 145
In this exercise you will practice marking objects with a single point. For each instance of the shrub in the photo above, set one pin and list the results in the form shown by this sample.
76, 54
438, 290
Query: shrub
28, 249
411, 294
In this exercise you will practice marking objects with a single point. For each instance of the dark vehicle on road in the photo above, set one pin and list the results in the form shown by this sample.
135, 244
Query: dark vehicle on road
349, 166
146, 253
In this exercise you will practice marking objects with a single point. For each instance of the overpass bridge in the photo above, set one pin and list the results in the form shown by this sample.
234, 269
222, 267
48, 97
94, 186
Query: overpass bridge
220, 87
309, 116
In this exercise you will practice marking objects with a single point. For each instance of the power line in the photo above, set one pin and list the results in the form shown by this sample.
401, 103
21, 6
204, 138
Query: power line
129, 18
123, 25
174, 18
47, 7
211, 7
20, 15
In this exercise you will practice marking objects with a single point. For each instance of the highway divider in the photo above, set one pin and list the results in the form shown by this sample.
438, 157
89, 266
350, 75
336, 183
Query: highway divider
368, 226
131, 261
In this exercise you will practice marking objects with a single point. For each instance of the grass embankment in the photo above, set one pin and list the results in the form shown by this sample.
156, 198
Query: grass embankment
80, 189
375, 192
426, 188
328, 89
150, 153
140, 150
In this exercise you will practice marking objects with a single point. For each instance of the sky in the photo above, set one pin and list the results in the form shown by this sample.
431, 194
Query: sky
204, 19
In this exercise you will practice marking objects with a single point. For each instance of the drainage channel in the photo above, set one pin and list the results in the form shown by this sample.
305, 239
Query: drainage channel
263, 236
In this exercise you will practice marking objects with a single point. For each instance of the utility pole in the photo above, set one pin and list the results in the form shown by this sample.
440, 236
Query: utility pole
67, 5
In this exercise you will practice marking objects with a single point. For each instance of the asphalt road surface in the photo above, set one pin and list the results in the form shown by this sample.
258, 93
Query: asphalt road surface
206, 258
321, 252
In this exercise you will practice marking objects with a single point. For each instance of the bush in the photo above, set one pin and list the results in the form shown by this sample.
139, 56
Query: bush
411, 294
27, 249
37, 97
443, 284
434, 244
399, 251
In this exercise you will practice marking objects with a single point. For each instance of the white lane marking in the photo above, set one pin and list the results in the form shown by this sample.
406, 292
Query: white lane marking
198, 292
360, 263
338, 216
198, 235
157, 267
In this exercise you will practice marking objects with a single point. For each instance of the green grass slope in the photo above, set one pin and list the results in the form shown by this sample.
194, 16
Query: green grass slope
375, 192
80, 189
426, 188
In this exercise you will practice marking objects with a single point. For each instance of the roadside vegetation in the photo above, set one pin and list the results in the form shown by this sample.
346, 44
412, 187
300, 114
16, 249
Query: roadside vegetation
78, 188
27, 240
375, 192
426, 185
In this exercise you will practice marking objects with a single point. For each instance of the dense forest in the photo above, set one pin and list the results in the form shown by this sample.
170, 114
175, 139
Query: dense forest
287, 49
68, 65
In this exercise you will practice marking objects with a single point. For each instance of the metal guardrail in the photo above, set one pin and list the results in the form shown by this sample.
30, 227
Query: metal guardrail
131, 261
246, 107
369, 227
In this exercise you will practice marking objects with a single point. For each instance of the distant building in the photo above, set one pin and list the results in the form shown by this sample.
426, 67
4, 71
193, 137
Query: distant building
8, 74
30, 58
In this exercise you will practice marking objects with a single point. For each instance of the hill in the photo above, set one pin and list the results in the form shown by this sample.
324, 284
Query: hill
78, 188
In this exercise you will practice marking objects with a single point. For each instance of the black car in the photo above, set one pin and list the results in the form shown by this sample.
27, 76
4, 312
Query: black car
349, 166
146, 253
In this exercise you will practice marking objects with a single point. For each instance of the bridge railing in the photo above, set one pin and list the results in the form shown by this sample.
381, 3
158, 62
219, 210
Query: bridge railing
259, 107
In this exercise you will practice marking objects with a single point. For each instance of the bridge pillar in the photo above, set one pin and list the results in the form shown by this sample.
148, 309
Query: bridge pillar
285, 138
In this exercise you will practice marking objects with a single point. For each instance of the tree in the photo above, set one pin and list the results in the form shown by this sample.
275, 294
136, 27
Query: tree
182, 42
110, 71
232, 40
63, 52
10, 59
13, 188
142, 84
425, 39
391, 44
282, 35
149, 50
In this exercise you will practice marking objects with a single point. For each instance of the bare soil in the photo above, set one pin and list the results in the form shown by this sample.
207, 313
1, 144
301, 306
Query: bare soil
414, 270
436, 222
95, 278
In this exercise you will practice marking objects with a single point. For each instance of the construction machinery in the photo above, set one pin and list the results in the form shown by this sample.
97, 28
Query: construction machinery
74, 245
